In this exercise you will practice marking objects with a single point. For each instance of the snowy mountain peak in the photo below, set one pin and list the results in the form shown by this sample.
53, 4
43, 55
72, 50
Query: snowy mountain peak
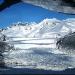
39, 29
35, 45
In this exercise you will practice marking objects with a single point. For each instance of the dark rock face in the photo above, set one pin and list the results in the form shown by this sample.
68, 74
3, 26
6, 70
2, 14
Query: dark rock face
4, 47
67, 41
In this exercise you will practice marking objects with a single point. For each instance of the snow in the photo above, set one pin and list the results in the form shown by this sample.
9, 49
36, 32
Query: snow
35, 45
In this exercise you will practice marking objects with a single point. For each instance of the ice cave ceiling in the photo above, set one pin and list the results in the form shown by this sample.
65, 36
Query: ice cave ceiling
63, 6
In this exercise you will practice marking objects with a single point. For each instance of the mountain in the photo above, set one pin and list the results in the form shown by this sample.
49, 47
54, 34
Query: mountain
46, 26
34, 35
34, 45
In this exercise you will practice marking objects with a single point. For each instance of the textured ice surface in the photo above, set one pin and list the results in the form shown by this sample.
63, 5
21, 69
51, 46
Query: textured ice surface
35, 45
55, 5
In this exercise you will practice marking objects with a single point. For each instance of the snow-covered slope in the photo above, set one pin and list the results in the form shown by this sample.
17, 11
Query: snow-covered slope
34, 45
47, 26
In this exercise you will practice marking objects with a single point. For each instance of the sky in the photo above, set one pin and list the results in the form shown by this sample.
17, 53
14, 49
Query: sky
23, 12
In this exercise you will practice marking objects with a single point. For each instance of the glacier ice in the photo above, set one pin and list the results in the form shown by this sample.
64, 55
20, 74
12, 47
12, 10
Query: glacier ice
34, 45
55, 5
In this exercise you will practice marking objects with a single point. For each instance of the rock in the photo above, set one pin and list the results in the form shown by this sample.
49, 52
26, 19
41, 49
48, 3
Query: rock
67, 43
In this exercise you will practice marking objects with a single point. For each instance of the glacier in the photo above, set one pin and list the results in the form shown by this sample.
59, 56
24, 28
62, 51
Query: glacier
34, 45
